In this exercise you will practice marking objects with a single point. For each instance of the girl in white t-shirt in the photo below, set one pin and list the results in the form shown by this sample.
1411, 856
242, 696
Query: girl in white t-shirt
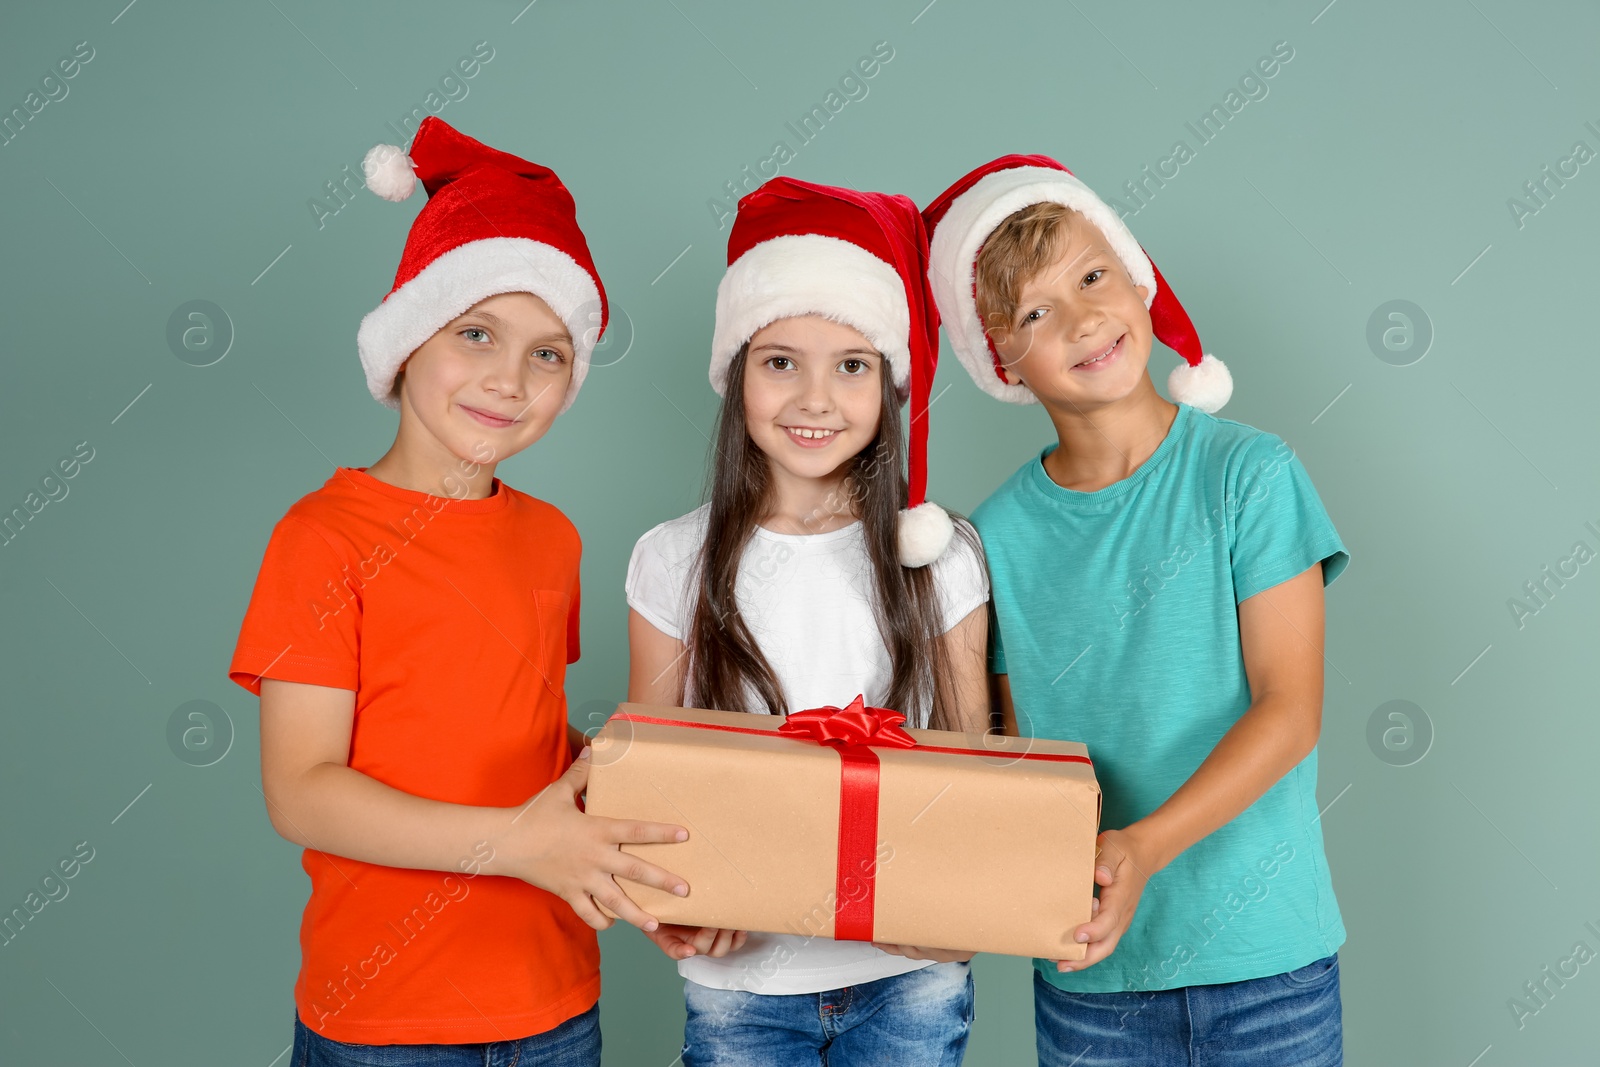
805, 580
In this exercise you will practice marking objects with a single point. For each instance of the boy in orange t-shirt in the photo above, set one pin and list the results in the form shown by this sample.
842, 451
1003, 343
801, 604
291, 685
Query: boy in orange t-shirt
408, 637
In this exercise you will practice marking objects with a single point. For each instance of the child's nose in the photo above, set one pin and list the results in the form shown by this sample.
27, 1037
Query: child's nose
816, 393
1081, 319
505, 378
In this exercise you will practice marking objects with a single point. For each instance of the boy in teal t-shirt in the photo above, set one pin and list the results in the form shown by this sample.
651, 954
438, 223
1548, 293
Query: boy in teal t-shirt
1157, 582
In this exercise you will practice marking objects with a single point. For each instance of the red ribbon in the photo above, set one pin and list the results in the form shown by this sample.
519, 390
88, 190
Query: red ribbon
852, 731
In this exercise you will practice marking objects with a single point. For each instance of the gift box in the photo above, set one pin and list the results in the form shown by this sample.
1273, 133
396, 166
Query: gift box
840, 823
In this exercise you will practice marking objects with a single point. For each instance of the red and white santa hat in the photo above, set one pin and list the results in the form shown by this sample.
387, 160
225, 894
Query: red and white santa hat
493, 224
964, 216
857, 258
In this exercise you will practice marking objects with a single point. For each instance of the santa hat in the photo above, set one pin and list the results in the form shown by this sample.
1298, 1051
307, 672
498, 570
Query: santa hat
493, 224
964, 216
856, 258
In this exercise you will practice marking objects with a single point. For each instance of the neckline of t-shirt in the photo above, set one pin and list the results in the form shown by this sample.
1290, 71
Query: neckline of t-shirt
496, 500
848, 529
1169, 444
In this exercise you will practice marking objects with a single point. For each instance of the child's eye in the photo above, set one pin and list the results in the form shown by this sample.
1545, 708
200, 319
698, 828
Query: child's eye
1031, 317
475, 334
780, 363
549, 355
1093, 276
854, 366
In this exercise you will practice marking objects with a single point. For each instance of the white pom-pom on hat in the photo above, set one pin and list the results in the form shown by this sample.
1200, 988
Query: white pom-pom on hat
923, 532
1206, 385
388, 171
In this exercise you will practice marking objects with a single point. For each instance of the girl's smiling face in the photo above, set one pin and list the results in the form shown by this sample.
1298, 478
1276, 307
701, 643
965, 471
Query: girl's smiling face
813, 394
495, 376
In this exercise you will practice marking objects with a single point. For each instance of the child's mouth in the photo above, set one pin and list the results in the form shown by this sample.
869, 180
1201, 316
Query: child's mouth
810, 436
488, 418
1105, 358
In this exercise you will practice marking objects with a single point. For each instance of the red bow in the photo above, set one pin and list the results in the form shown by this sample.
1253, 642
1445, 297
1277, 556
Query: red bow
855, 724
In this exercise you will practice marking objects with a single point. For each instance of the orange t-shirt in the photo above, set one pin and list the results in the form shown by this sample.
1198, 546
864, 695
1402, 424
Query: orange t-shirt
453, 621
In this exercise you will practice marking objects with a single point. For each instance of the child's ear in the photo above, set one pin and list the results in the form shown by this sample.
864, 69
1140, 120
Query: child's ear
1144, 292
994, 329
1007, 375
996, 333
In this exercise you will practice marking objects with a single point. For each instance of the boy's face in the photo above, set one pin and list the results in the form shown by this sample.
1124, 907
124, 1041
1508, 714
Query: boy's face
495, 376
1080, 337
813, 396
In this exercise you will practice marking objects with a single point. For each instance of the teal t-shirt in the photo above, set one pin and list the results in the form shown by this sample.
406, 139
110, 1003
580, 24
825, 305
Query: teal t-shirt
1115, 616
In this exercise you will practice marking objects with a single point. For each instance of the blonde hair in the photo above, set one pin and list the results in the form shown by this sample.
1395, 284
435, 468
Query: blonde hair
1018, 250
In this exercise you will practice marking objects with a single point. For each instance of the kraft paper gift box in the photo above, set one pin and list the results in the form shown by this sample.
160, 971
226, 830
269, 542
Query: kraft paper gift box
838, 823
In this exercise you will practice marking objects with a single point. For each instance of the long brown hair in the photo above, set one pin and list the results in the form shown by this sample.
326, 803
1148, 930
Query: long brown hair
725, 663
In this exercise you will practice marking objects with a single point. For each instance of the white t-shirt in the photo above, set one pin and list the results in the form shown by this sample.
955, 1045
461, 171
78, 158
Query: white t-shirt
807, 599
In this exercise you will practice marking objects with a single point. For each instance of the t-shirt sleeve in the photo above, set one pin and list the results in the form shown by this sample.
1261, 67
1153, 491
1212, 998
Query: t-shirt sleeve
657, 580
304, 619
1280, 525
961, 578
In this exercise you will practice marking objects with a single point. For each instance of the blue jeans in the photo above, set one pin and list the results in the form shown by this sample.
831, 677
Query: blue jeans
575, 1043
917, 1019
1284, 1020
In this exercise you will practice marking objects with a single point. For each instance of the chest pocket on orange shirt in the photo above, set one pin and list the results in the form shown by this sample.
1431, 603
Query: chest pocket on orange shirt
550, 610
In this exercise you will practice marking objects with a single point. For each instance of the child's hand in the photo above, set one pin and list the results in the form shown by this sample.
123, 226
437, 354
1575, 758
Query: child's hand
1121, 875
937, 955
552, 844
681, 942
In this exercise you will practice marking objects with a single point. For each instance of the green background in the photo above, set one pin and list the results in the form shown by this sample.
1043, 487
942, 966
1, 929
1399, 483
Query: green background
1377, 168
